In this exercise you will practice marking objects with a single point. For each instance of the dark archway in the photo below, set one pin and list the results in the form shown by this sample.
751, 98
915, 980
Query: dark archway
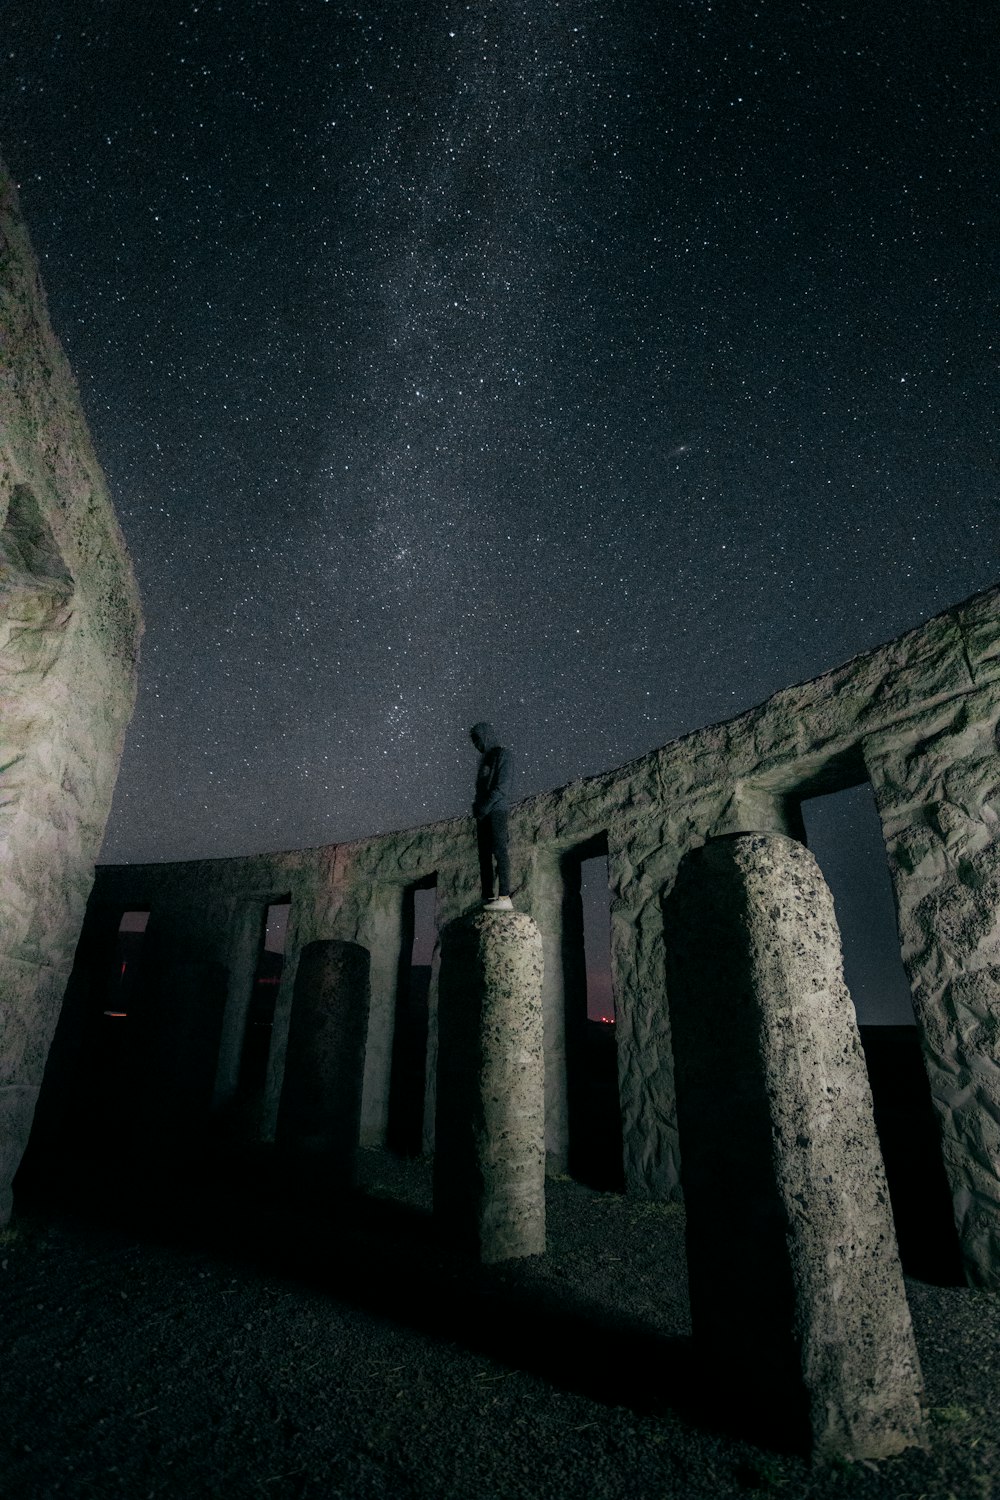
845, 835
407, 1078
593, 1103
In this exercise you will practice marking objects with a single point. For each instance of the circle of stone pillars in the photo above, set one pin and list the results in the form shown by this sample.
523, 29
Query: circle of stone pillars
797, 1299
489, 1156
319, 1114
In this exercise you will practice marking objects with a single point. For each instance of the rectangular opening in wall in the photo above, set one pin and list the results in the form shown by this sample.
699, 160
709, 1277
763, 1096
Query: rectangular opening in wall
264, 995
844, 833
107, 1064
597, 939
409, 1041
123, 986
595, 1128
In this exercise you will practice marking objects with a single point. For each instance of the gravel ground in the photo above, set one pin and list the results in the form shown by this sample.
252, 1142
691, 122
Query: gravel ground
201, 1337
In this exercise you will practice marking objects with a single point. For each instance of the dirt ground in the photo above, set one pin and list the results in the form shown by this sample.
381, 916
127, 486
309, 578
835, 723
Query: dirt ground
194, 1334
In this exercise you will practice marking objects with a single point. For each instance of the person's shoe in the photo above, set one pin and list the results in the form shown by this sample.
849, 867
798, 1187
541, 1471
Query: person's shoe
498, 903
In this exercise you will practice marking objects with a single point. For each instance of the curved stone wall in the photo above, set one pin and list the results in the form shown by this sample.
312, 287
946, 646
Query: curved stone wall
917, 716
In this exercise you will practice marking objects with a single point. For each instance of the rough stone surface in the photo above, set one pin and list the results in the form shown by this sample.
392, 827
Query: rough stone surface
489, 1161
69, 632
796, 1289
916, 715
938, 793
320, 1111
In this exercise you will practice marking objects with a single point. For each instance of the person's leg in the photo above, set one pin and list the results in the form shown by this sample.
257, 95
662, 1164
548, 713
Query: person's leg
484, 840
500, 850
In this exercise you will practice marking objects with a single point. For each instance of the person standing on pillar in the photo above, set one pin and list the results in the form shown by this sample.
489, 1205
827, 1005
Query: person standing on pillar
490, 812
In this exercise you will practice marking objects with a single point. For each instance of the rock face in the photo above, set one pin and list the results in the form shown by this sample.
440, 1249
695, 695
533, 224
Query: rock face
797, 1296
489, 1160
917, 716
938, 792
69, 633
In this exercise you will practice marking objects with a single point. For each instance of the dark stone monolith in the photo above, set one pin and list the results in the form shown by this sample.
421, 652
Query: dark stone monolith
178, 1026
319, 1115
489, 1162
797, 1297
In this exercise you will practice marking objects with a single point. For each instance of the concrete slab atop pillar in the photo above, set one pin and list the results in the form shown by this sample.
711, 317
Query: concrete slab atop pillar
319, 1115
797, 1297
489, 1161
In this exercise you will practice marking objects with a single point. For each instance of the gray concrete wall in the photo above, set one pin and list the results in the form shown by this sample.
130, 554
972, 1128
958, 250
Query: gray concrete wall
69, 634
916, 715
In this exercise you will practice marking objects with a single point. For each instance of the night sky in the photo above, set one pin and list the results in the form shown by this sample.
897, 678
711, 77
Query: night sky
594, 369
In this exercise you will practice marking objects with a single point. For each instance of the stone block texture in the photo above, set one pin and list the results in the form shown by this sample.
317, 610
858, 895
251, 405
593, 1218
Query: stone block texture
69, 634
796, 1290
938, 793
489, 1160
319, 1115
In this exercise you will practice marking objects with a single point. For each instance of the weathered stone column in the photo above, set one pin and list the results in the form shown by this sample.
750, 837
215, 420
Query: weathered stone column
380, 931
319, 1115
543, 892
244, 955
797, 1296
650, 1153
178, 1026
69, 636
489, 1160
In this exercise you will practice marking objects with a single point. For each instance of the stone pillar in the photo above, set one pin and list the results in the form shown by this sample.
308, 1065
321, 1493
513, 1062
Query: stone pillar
937, 786
650, 1152
797, 1297
458, 891
381, 932
430, 1056
244, 955
319, 1115
489, 1161
543, 893
69, 637
178, 1029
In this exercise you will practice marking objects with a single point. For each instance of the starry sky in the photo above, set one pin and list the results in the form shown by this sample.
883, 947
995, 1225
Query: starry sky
596, 369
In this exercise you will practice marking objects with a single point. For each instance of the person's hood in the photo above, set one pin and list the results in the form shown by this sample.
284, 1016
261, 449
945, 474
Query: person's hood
487, 735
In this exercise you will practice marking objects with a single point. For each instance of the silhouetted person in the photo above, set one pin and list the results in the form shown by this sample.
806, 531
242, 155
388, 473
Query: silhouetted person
490, 812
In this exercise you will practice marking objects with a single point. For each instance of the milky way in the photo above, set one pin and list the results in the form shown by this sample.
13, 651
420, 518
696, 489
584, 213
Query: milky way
597, 370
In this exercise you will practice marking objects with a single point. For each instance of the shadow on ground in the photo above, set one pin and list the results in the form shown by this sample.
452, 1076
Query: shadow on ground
376, 1253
